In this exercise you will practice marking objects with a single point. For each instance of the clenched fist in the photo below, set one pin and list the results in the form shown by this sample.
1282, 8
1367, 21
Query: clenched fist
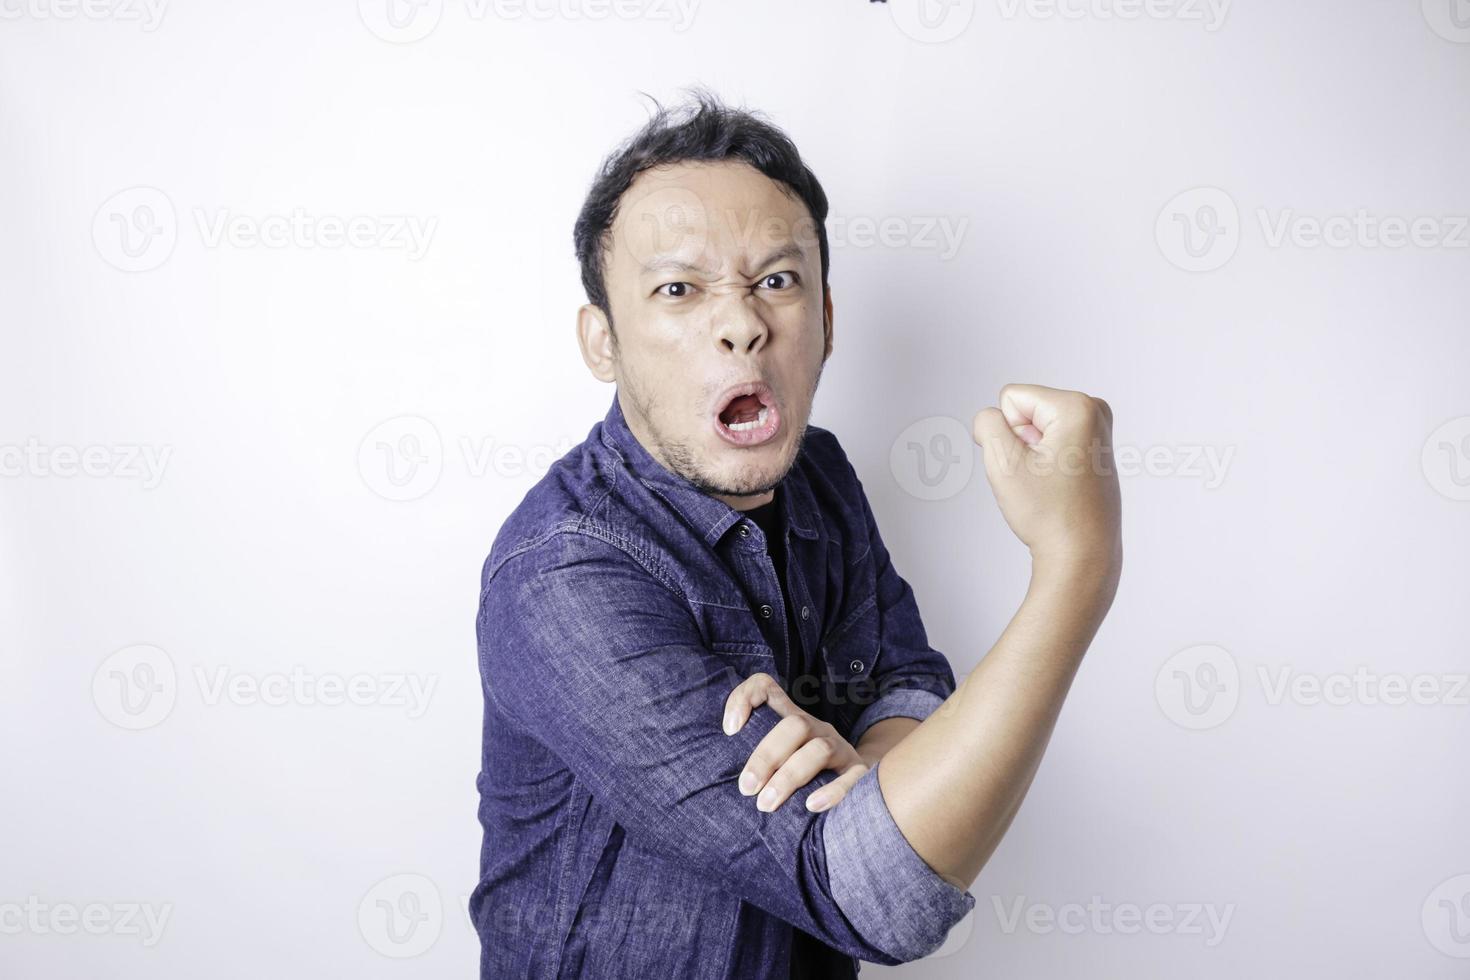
1049, 459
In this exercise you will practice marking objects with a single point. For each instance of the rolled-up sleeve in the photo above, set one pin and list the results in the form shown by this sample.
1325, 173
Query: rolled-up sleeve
895, 704
888, 891
592, 650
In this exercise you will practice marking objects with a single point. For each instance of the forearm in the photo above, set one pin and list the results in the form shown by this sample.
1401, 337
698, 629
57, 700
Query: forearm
954, 782
881, 737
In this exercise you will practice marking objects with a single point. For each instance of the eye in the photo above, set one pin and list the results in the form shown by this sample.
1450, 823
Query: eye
682, 289
788, 277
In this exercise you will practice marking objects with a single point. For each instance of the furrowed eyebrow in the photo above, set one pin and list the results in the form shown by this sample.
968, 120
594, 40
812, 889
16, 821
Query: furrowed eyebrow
669, 263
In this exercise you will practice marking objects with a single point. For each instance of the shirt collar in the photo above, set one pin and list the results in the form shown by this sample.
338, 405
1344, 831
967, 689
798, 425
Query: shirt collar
708, 515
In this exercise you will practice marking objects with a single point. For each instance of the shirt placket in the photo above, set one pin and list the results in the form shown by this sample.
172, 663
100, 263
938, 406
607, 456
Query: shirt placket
805, 611
763, 585
762, 582
801, 601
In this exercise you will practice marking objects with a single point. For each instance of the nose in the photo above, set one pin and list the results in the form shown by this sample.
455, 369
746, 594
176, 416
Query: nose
738, 325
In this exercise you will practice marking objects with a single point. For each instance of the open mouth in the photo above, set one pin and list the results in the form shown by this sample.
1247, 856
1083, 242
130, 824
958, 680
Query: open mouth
748, 415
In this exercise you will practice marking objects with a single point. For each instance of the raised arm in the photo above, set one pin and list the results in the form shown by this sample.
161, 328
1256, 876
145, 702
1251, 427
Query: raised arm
954, 783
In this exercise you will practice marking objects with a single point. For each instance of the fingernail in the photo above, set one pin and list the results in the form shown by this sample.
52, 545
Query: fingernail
747, 782
817, 802
767, 800
730, 723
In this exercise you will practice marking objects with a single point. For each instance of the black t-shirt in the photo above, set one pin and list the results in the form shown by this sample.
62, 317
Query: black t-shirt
811, 959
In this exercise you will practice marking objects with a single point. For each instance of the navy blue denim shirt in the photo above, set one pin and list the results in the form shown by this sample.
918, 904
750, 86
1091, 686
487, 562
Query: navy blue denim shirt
619, 606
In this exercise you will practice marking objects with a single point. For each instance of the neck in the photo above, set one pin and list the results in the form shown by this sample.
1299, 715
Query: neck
747, 501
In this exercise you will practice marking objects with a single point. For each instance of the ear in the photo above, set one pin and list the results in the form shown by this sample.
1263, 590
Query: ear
827, 324
595, 338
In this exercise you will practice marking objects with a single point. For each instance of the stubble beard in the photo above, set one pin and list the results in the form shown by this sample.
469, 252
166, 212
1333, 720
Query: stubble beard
683, 461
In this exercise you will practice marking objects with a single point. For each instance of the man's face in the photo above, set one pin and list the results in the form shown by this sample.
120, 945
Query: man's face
714, 280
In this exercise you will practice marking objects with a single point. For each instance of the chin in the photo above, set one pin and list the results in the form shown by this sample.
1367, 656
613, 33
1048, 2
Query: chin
751, 476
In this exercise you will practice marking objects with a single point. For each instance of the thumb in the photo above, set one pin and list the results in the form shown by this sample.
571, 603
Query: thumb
993, 431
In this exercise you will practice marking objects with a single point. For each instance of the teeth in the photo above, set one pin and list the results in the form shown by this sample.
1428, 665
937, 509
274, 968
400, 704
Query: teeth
754, 423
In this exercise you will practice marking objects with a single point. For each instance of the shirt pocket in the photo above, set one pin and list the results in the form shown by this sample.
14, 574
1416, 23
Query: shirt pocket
742, 657
850, 649
850, 657
733, 634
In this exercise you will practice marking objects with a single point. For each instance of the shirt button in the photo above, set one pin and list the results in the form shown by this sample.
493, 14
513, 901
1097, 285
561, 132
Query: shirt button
765, 611
857, 666
805, 612
744, 531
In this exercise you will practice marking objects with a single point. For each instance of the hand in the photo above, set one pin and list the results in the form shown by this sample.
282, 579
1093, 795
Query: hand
1049, 459
793, 753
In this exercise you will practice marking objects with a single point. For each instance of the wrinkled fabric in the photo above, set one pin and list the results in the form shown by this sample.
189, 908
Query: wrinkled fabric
619, 606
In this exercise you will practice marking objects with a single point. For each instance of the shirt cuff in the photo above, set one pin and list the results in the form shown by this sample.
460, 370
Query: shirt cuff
901, 703
889, 894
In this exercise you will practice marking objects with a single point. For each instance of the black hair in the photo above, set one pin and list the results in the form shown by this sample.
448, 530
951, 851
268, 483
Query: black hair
701, 129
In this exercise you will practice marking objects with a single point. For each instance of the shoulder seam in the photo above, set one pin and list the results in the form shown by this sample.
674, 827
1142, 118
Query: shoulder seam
583, 526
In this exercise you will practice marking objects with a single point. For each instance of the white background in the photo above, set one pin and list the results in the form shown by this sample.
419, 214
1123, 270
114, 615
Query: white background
265, 381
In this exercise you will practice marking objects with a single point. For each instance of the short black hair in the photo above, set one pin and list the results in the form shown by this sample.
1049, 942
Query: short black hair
701, 129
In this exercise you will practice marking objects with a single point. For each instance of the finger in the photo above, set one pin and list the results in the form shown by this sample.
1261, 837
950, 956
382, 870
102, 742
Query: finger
749, 694
1003, 448
1035, 406
800, 768
990, 427
831, 794
779, 745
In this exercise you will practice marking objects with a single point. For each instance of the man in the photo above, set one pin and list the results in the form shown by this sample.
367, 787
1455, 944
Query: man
695, 649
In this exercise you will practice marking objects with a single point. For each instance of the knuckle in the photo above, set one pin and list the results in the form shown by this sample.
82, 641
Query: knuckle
764, 765
1006, 390
789, 727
